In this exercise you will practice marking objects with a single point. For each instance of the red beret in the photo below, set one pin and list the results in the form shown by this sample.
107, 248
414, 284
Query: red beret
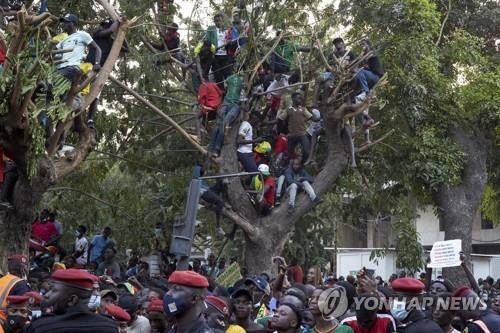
75, 278
218, 304
117, 313
18, 300
461, 292
189, 279
35, 298
155, 305
408, 286
19, 258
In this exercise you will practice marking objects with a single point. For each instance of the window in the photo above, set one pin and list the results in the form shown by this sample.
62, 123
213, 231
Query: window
441, 225
486, 224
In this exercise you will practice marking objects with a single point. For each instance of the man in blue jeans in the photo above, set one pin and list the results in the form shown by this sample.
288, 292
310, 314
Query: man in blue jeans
227, 113
369, 74
245, 142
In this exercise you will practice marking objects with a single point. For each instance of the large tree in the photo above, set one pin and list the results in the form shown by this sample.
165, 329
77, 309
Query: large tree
444, 101
28, 63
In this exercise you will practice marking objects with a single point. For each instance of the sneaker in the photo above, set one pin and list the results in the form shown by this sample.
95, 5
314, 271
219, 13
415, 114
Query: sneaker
277, 202
360, 98
317, 200
220, 231
291, 209
90, 124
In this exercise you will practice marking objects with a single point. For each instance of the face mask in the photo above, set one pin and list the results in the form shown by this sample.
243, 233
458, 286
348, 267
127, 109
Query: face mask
173, 307
17, 322
398, 310
94, 302
158, 232
306, 327
77, 233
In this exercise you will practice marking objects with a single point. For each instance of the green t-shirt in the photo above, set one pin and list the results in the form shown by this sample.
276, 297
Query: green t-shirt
338, 329
233, 90
285, 52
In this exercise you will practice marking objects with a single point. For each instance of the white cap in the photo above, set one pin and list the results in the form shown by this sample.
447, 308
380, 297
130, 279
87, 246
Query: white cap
264, 169
316, 114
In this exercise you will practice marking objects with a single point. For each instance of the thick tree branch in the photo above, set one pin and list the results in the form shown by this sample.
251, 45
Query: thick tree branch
109, 9
244, 224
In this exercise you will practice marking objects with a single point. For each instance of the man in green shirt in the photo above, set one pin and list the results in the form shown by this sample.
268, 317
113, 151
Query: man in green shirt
227, 113
282, 56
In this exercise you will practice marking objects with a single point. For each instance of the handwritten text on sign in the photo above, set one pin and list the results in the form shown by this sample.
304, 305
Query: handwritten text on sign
446, 254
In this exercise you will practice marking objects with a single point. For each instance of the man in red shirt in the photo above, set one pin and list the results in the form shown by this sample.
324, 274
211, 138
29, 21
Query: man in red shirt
369, 321
297, 275
43, 229
266, 199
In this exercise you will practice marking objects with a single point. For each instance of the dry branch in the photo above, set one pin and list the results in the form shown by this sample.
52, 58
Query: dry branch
161, 114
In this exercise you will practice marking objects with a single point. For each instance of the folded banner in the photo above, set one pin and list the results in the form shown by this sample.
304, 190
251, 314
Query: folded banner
446, 254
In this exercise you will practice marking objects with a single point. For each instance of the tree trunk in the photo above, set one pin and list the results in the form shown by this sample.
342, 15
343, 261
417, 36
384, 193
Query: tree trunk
267, 236
15, 225
458, 204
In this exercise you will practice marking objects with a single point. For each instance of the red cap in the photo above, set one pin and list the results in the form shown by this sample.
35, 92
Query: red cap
117, 313
75, 278
408, 286
218, 304
18, 300
461, 292
19, 257
189, 279
155, 305
35, 298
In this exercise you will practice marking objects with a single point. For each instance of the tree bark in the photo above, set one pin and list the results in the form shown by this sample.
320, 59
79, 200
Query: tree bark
267, 236
458, 204
15, 226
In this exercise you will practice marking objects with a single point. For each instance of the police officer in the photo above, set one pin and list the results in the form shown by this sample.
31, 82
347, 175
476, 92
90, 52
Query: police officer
14, 283
407, 311
68, 300
19, 312
184, 302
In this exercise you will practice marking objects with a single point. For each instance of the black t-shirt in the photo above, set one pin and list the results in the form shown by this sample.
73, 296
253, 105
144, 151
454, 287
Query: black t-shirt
375, 65
78, 319
105, 43
350, 57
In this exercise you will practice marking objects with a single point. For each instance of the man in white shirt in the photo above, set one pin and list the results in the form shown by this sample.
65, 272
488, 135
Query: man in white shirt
81, 249
245, 142
77, 41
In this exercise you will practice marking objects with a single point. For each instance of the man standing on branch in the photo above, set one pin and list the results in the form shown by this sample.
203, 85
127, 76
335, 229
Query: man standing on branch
77, 41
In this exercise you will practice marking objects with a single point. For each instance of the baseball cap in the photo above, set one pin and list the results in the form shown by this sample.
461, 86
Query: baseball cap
264, 169
69, 18
260, 283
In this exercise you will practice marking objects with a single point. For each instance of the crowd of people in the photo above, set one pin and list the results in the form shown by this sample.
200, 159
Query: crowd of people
100, 294
276, 138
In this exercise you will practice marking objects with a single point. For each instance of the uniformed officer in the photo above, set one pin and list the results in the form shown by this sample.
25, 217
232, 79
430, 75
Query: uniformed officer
19, 312
68, 300
184, 302
14, 283
407, 311
119, 315
476, 318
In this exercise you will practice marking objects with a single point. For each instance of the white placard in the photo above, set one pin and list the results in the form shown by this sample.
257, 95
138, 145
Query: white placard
446, 254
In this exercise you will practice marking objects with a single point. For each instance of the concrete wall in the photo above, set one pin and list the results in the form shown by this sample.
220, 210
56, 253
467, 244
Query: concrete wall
428, 227
349, 261
352, 260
